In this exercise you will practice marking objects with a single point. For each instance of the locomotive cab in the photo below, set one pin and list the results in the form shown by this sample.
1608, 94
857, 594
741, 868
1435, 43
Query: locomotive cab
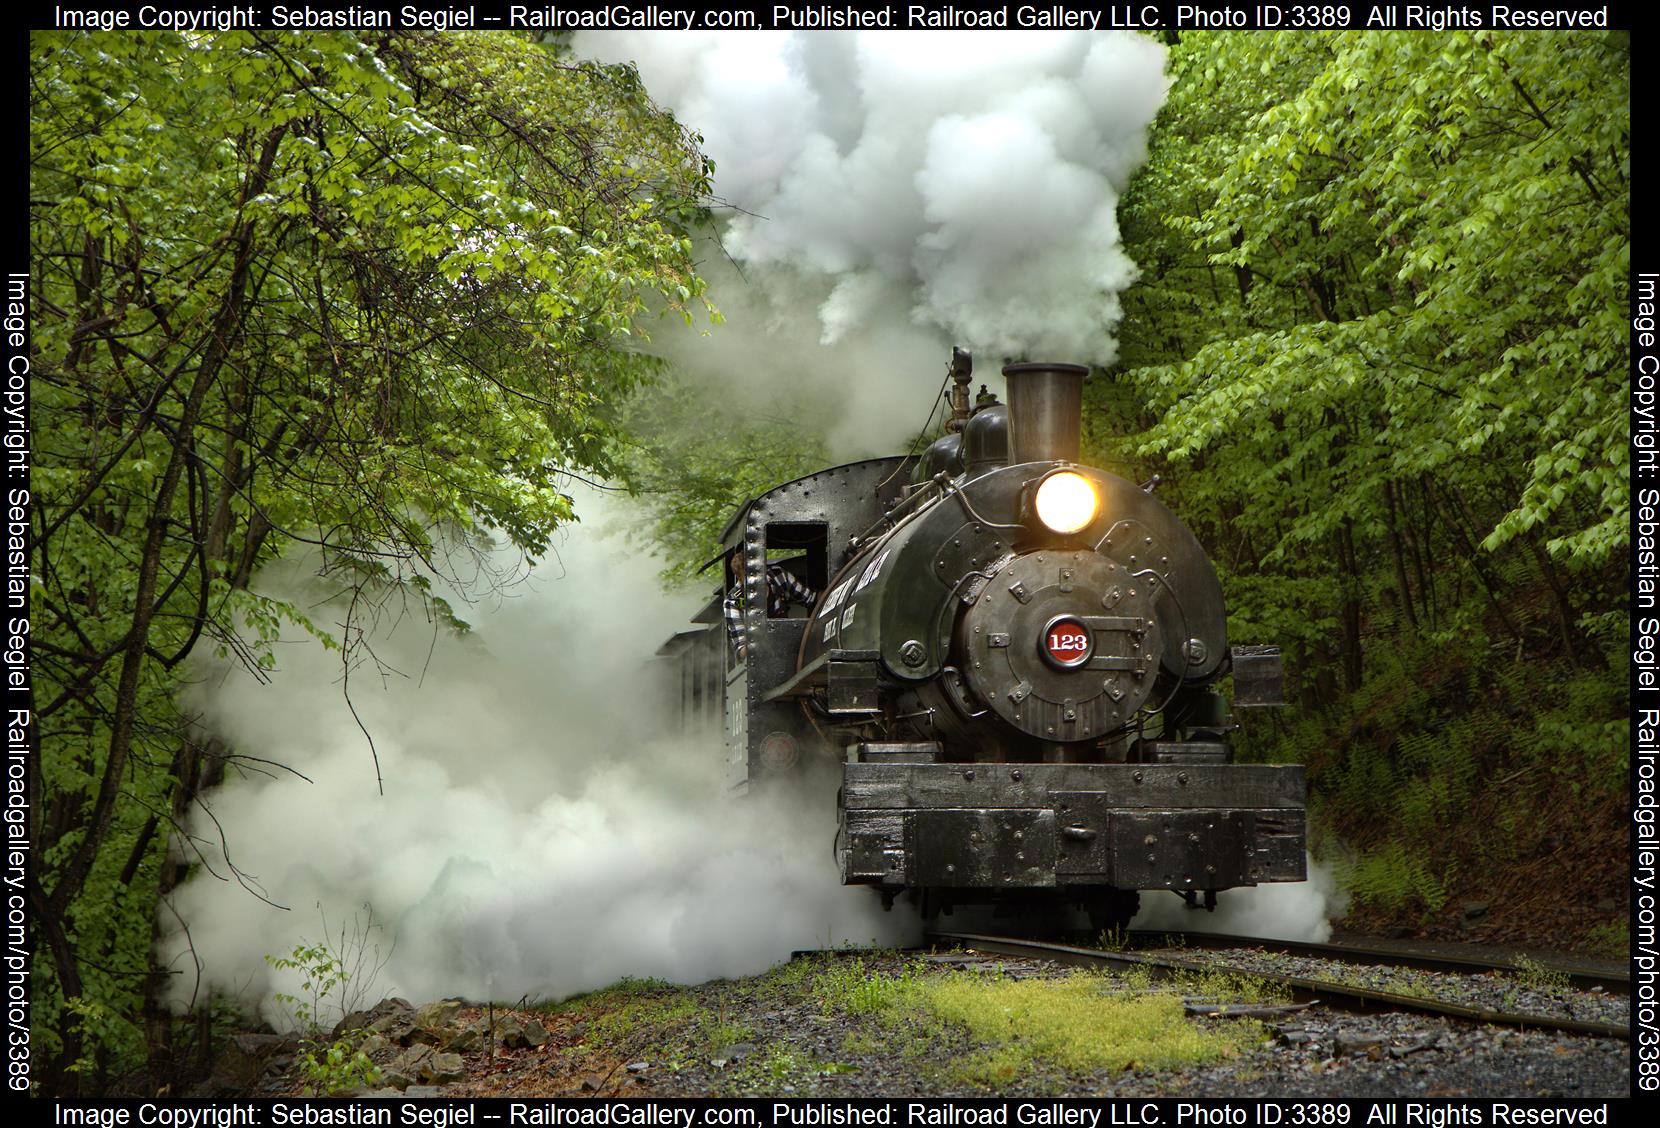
802, 528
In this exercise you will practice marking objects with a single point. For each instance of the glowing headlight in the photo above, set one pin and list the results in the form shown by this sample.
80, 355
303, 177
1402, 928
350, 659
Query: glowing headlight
1065, 502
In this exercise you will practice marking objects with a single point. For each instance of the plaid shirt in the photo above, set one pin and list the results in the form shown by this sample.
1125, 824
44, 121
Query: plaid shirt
783, 589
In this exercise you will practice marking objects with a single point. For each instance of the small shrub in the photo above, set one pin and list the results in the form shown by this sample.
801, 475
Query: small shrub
335, 1067
1609, 937
1392, 878
336, 976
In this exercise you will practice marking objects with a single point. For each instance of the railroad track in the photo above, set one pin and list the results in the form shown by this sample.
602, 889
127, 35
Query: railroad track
1303, 989
1584, 978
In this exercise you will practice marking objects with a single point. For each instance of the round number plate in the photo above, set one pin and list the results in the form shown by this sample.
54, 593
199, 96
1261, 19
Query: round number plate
1067, 642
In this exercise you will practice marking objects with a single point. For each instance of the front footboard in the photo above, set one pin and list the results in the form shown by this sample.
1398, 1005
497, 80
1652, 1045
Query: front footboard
991, 826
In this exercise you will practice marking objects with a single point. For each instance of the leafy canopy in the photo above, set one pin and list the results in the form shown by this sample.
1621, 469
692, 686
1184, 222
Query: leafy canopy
324, 289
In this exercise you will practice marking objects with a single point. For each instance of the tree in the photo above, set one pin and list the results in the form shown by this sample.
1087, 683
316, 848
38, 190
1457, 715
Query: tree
698, 462
1385, 302
1381, 353
324, 290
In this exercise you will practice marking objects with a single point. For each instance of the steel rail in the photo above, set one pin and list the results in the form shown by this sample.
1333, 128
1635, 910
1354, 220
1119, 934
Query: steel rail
1581, 977
1302, 989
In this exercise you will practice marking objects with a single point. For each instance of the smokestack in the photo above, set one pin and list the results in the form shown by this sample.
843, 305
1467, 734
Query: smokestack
1045, 411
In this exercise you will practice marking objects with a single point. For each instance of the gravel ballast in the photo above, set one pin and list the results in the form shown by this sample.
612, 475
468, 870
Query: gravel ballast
784, 1040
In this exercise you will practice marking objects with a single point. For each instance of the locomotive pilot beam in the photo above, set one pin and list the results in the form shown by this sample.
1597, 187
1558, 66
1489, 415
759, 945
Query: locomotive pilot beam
1009, 667
958, 827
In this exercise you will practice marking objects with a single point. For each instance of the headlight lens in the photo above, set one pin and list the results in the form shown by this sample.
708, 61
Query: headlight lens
1065, 502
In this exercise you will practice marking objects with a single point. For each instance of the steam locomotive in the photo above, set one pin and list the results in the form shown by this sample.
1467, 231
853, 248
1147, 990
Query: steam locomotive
1008, 667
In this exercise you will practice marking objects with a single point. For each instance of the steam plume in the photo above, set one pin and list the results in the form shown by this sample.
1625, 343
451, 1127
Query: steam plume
538, 835
898, 194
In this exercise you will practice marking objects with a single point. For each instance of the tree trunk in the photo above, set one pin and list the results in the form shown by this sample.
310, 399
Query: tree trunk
1399, 554
1352, 665
1460, 516
1565, 613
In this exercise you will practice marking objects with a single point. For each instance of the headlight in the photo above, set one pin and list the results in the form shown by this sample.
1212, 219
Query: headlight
1065, 502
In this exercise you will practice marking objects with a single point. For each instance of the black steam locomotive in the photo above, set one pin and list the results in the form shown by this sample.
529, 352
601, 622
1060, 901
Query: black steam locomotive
1009, 659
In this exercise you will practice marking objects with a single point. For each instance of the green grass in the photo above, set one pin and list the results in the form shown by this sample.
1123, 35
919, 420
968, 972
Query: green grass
620, 992
849, 986
1611, 938
1077, 1023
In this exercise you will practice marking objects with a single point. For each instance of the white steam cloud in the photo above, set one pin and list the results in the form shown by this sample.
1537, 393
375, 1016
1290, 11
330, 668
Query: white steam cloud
538, 834
1295, 910
900, 193
979, 173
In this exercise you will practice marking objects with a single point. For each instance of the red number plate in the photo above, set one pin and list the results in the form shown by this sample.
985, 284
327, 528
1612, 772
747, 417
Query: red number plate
1068, 642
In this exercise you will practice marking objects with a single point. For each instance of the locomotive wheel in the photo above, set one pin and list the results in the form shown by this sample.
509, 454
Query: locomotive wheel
1112, 912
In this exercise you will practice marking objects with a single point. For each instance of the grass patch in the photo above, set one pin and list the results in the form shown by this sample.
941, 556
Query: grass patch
619, 993
642, 1014
1535, 976
849, 986
779, 1065
784, 983
780, 1069
1227, 985
861, 1042
1611, 938
655, 1020
1076, 1023
1406, 985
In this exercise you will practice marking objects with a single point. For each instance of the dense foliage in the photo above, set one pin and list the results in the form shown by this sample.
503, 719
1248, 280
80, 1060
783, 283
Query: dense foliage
1380, 351
697, 461
292, 289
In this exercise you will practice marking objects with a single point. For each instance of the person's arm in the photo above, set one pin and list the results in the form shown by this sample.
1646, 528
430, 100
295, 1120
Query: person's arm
734, 624
784, 582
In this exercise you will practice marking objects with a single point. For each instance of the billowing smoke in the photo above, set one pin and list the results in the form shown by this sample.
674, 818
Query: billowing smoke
865, 395
897, 194
539, 835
